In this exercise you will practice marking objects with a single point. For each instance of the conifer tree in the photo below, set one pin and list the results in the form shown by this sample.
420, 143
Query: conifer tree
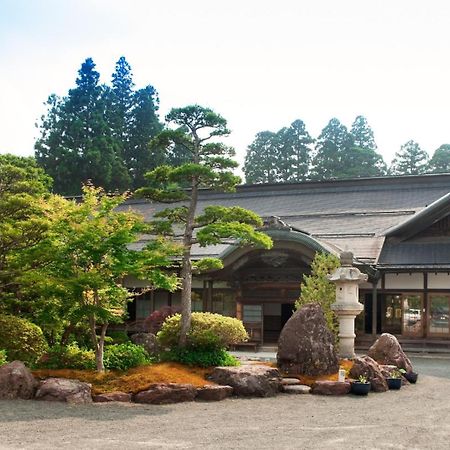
410, 160
363, 136
440, 161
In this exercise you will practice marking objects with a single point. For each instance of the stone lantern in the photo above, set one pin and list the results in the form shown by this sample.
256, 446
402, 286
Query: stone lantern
347, 307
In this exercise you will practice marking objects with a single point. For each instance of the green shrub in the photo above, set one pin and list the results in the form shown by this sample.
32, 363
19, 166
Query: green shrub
201, 357
68, 357
117, 337
21, 339
207, 331
3, 359
125, 356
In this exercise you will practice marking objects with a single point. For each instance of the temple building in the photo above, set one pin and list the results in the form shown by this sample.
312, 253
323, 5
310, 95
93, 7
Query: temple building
398, 229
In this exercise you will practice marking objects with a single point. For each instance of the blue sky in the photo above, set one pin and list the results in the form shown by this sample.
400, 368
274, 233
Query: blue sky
261, 64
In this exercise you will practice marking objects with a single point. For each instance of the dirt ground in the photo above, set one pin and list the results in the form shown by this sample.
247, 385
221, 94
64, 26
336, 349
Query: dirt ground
416, 417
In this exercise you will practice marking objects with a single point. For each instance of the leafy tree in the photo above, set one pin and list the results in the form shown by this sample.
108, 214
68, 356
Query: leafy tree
440, 161
294, 152
210, 166
23, 223
316, 288
363, 162
261, 159
362, 134
90, 255
76, 142
332, 150
410, 160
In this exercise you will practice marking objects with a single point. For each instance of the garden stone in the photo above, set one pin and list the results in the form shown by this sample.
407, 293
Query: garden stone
296, 389
165, 393
331, 388
367, 367
249, 380
64, 390
387, 350
146, 340
214, 393
16, 381
306, 345
112, 397
290, 381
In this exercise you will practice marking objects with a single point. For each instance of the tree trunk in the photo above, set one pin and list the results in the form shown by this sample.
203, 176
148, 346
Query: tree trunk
98, 343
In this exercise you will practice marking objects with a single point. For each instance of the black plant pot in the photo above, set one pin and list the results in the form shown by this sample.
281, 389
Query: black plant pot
411, 377
394, 383
359, 388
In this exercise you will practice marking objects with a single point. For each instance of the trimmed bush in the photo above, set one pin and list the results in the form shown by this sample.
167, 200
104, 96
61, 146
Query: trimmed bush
125, 356
208, 330
3, 359
200, 357
21, 339
68, 357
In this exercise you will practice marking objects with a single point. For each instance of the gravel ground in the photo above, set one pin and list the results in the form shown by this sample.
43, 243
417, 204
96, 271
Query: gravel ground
416, 417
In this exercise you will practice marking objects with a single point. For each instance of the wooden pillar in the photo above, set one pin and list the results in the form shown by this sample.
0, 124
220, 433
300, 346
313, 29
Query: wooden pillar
425, 306
374, 308
210, 295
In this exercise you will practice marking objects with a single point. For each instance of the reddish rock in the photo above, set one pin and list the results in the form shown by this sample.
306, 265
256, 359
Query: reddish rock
146, 340
306, 345
330, 388
161, 394
249, 380
64, 390
16, 381
367, 367
112, 397
387, 350
296, 389
214, 393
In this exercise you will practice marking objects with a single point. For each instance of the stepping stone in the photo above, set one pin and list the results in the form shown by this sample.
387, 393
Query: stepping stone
331, 388
290, 381
296, 389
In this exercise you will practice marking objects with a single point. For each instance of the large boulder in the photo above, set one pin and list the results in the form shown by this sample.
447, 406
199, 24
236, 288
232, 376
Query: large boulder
387, 350
251, 380
64, 390
16, 381
162, 394
330, 388
306, 345
367, 367
146, 340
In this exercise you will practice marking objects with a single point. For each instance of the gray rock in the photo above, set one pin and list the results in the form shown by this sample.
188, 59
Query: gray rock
214, 393
387, 350
249, 380
165, 393
146, 340
112, 397
16, 381
331, 388
367, 367
64, 390
306, 345
296, 389
290, 381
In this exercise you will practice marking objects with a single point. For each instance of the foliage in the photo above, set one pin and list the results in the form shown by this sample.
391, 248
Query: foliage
362, 134
410, 160
21, 339
124, 356
200, 356
362, 379
397, 373
117, 337
210, 166
440, 161
316, 288
68, 357
155, 320
3, 358
207, 330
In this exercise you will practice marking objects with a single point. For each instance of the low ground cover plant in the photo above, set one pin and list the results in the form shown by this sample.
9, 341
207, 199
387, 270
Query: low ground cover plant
68, 357
3, 359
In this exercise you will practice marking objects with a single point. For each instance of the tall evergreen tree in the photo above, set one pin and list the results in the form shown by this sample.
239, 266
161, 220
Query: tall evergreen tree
76, 142
261, 160
332, 149
440, 161
410, 160
294, 152
363, 136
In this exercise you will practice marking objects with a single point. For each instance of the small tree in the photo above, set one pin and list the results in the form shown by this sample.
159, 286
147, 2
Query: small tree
316, 288
210, 166
410, 160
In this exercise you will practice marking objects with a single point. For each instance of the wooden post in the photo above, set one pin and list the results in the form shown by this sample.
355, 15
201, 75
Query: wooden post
374, 308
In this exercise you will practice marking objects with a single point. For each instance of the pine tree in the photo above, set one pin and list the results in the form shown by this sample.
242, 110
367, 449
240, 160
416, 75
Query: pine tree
410, 160
440, 162
363, 136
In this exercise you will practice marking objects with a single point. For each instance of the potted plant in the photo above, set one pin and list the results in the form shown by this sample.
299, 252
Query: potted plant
394, 380
411, 376
361, 386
